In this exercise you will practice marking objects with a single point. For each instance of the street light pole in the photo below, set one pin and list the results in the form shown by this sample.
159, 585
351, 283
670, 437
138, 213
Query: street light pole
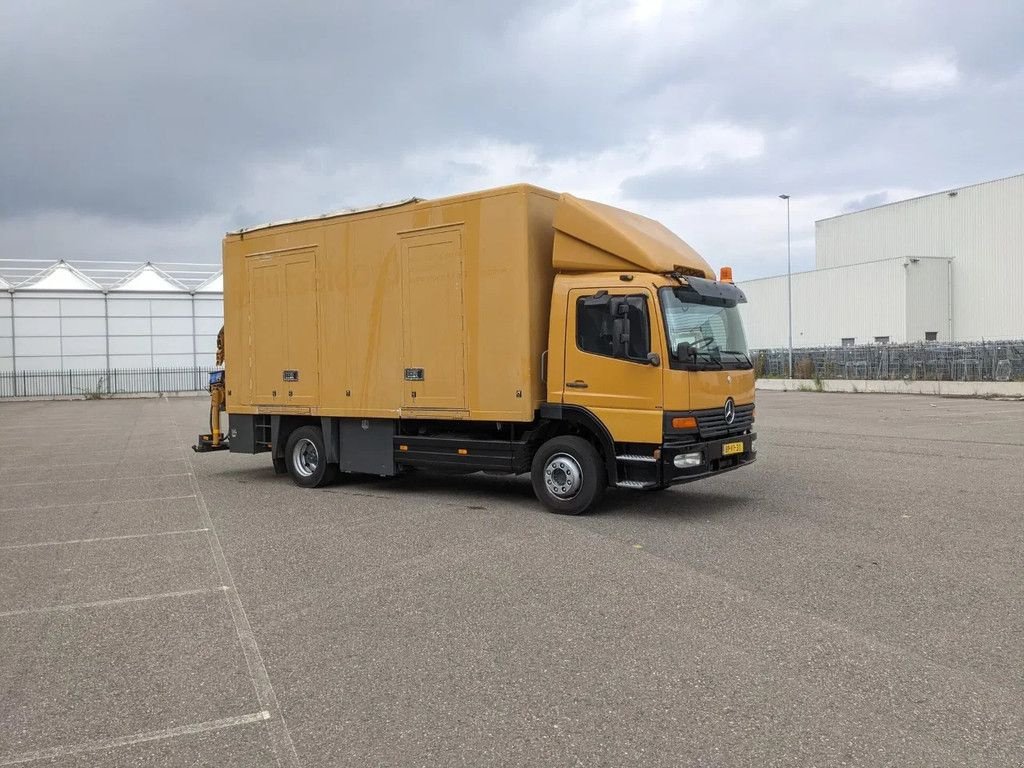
789, 282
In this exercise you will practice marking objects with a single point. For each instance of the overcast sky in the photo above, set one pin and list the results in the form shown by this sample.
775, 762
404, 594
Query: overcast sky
144, 130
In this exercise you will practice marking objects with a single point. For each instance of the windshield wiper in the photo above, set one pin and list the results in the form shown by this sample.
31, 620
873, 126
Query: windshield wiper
710, 358
739, 354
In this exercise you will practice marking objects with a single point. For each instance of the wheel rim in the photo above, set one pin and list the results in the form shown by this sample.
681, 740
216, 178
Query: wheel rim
563, 476
305, 457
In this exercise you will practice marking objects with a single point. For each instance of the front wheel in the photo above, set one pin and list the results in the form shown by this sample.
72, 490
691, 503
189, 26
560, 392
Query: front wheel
306, 458
568, 475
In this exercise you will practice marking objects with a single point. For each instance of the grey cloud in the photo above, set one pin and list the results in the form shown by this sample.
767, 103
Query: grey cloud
868, 201
169, 103
740, 179
152, 112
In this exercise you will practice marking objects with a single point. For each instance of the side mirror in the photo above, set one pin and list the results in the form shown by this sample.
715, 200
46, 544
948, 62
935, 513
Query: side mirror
619, 310
685, 353
653, 358
620, 336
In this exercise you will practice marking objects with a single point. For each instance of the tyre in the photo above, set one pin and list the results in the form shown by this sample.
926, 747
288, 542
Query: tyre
568, 475
306, 458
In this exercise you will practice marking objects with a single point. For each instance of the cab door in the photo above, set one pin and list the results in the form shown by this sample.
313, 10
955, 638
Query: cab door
609, 374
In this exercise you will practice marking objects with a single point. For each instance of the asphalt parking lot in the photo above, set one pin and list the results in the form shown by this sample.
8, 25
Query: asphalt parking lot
854, 598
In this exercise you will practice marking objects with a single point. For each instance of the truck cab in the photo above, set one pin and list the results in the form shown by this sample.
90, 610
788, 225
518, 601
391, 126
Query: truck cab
662, 363
652, 357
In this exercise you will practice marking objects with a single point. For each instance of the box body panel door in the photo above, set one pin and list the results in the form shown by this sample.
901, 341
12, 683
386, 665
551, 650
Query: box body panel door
434, 334
283, 323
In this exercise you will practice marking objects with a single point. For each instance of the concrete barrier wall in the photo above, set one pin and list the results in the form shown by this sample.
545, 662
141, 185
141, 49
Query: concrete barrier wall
1010, 389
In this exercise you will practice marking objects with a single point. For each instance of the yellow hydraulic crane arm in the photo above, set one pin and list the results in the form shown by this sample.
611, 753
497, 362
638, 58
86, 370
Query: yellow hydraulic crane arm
215, 441
220, 346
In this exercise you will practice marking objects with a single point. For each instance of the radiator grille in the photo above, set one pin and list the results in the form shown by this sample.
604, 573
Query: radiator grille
711, 423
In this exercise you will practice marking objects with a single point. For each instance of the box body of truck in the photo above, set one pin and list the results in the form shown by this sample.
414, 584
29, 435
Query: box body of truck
419, 310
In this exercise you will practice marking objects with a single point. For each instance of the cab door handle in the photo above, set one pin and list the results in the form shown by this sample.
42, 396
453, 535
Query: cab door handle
578, 384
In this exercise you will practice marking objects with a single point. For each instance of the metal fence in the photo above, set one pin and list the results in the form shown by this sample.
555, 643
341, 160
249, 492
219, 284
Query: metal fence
97, 383
931, 361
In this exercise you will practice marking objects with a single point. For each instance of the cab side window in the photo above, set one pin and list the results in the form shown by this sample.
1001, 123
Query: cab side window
616, 326
593, 328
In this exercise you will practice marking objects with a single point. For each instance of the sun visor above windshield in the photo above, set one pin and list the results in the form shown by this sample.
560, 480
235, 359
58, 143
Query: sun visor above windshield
626, 240
709, 289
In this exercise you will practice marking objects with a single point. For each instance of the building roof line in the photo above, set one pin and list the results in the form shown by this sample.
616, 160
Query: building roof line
164, 282
921, 197
23, 272
207, 285
847, 266
206, 272
86, 283
134, 263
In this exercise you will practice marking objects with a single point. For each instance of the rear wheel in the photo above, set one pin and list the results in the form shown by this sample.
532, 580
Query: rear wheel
306, 458
568, 475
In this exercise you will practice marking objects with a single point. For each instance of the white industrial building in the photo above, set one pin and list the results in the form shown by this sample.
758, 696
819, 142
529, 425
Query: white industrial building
97, 318
946, 267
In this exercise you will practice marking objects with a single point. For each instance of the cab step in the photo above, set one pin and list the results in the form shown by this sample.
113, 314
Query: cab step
636, 458
635, 484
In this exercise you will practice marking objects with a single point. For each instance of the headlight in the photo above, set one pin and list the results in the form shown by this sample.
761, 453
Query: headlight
687, 460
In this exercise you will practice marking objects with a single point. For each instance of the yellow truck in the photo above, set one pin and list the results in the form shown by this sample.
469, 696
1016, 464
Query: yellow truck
514, 330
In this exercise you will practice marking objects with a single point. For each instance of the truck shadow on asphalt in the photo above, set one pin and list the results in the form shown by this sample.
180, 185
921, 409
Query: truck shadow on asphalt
483, 492
682, 503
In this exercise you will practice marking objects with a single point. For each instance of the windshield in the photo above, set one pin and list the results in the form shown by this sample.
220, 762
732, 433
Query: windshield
712, 328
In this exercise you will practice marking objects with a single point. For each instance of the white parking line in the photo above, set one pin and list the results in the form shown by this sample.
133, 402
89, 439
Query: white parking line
120, 436
113, 601
56, 456
277, 728
101, 501
12, 468
86, 444
97, 480
102, 538
79, 426
137, 738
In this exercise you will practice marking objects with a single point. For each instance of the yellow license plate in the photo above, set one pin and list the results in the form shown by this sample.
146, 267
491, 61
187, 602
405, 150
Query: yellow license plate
730, 448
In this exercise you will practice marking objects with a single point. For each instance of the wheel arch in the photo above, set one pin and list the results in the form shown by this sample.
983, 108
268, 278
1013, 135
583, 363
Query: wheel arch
583, 422
281, 427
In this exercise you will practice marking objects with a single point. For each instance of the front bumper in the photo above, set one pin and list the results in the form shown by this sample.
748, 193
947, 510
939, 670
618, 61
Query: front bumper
714, 459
